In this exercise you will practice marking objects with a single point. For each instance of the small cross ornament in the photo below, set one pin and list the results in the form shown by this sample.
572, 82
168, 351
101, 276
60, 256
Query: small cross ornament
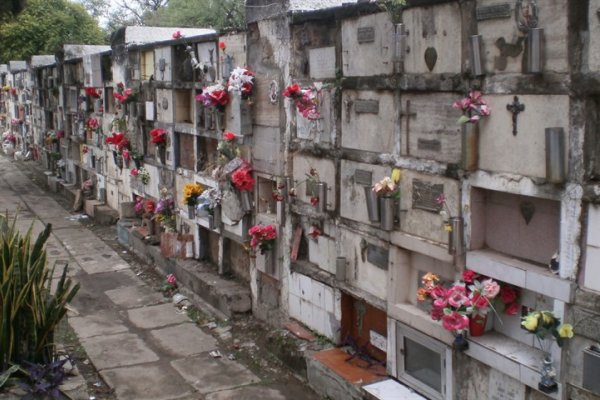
515, 108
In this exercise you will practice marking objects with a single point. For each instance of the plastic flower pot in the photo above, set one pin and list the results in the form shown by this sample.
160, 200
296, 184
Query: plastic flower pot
477, 325
162, 153
246, 198
322, 194
470, 146
547, 382
191, 209
455, 236
386, 208
460, 343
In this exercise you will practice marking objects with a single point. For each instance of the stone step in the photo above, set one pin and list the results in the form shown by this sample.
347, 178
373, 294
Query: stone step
104, 215
198, 280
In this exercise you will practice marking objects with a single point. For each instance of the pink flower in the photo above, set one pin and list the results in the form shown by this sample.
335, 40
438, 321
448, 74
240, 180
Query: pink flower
455, 321
485, 110
438, 292
479, 301
490, 288
457, 296
177, 35
469, 275
437, 313
134, 172
440, 303
171, 280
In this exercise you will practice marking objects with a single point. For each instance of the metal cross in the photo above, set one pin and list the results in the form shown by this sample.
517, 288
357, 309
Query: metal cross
407, 113
515, 108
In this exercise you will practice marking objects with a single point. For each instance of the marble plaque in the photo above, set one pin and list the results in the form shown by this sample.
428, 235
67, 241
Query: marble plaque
493, 12
322, 62
503, 387
429, 145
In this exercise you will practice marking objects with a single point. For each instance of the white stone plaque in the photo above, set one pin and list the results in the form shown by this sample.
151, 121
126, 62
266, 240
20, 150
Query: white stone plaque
322, 62
503, 387
378, 341
149, 111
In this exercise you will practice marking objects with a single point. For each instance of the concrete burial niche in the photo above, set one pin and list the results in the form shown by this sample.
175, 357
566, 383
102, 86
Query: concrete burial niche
163, 66
234, 54
434, 39
504, 45
354, 178
164, 106
326, 170
208, 57
367, 45
524, 153
323, 128
429, 128
368, 120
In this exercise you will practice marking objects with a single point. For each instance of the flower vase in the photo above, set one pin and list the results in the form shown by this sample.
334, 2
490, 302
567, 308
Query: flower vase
477, 325
547, 382
246, 198
372, 204
191, 209
127, 162
93, 161
115, 154
322, 194
119, 161
456, 245
470, 146
386, 211
209, 118
220, 120
460, 343
162, 153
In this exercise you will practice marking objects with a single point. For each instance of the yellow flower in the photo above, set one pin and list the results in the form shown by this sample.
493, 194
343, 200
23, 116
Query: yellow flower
396, 175
548, 318
565, 331
430, 278
531, 321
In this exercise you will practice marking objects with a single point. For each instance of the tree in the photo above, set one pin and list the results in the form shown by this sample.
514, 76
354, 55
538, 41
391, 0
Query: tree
221, 15
44, 26
10, 7
138, 11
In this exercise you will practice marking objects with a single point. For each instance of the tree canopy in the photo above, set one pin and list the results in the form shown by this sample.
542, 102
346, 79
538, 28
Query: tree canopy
44, 26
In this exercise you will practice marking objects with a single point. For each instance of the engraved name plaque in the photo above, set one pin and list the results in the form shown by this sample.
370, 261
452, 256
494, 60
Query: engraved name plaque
429, 145
363, 178
365, 35
378, 256
493, 12
425, 195
366, 106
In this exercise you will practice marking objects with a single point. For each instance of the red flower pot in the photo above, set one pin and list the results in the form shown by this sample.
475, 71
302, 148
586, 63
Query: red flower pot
477, 325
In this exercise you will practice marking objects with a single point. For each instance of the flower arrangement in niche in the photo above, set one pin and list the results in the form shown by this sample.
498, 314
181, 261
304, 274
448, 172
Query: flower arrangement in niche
227, 148
93, 92
305, 100
92, 124
209, 200
214, 96
312, 180
241, 81
124, 95
9, 137
388, 186
510, 297
473, 108
445, 212
262, 237
165, 210
142, 174
546, 326
159, 136
242, 178
191, 192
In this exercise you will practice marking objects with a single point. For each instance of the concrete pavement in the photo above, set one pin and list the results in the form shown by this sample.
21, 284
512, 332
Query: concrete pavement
142, 345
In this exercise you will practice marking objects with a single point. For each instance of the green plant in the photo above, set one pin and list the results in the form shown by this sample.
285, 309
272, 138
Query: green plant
31, 311
394, 8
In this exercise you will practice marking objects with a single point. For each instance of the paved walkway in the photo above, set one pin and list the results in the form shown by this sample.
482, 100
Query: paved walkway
143, 347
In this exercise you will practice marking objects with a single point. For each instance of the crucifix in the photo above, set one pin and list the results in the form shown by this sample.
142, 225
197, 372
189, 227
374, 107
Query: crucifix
408, 114
515, 108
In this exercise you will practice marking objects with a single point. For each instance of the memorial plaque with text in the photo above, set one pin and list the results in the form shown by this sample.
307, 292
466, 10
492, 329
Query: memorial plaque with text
493, 12
366, 106
365, 35
378, 256
425, 195
363, 178
429, 145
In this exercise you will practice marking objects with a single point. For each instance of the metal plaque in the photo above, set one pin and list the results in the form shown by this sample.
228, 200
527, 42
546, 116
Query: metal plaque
425, 195
493, 12
363, 178
429, 145
366, 106
366, 34
378, 256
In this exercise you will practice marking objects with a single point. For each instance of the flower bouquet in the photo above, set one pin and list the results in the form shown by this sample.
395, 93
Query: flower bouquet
165, 210
241, 81
243, 181
214, 96
191, 192
169, 285
305, 100
227, 148
93, 92
159, 138
473, 108
382, 199
546, 326
209, 201
262, 237
124, 95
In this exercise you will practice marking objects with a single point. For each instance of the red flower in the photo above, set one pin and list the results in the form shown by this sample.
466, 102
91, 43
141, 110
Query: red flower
219, 97
242, 178
177, 35
134, 172
293, 91
121, 85
159, 136
479, 301
468, 275
314, 201
508, 294
512, 309
314, 232
118, 140
455, 322
229, 136
149, 206
222, 46
92, 92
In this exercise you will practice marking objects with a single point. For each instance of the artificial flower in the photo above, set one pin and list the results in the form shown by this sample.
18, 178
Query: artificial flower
229, 136
490, 288
531, 321
455, 321
396, 175
565, 331
314, 200
177, 35
512, 309
191, 192
385, 187
222, 46
171, 279
134, 172
469, 276
242, 178
159, 136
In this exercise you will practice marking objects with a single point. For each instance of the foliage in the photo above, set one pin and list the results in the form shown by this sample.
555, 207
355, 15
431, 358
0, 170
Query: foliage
394, 8
30, 310
44, 26
4, 376
43, 381
220, 15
